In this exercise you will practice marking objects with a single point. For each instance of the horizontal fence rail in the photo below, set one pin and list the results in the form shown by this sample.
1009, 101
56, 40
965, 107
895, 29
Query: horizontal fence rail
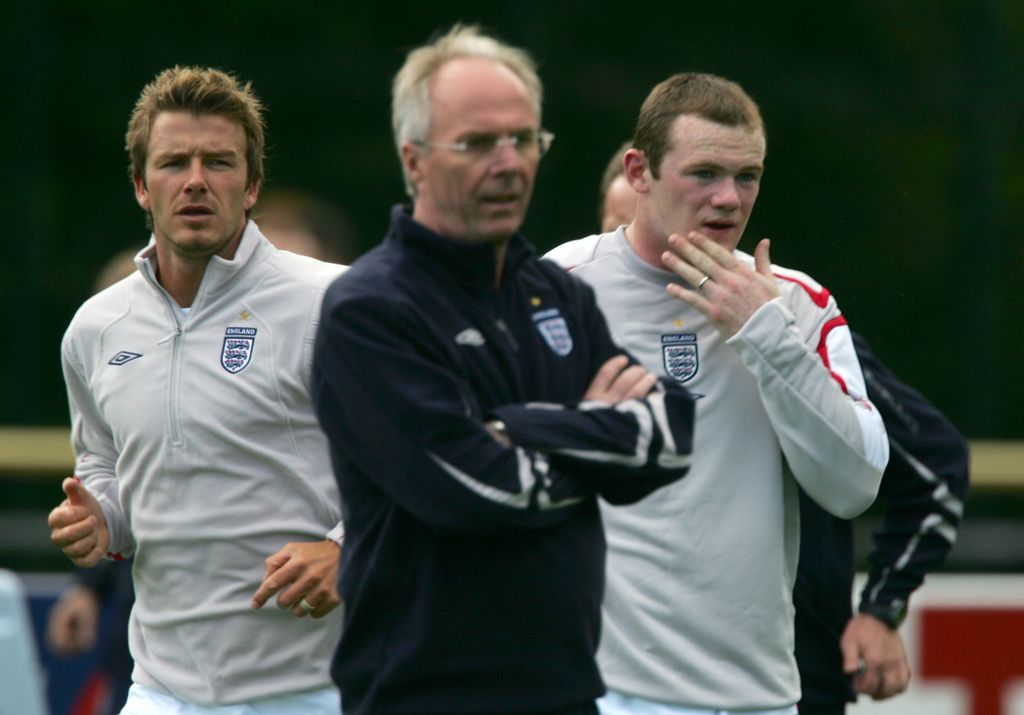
46, 452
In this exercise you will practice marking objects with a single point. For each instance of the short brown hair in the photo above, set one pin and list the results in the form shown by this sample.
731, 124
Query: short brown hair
704, 95
199, 90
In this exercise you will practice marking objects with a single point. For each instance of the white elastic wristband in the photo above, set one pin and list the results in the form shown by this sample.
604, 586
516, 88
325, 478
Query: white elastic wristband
337, 534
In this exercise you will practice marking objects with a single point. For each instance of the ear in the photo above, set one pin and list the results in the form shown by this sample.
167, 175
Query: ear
141, 192
412, 159
635, 164
251, 195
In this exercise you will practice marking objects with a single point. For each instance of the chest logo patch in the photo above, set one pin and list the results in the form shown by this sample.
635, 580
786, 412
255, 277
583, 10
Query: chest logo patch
679, 354
237, 350
124, 356
554, 330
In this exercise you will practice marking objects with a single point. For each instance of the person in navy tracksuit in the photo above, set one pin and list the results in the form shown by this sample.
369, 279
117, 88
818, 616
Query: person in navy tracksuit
923, 491
476, 406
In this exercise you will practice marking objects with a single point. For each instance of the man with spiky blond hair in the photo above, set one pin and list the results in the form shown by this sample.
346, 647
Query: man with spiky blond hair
197, 449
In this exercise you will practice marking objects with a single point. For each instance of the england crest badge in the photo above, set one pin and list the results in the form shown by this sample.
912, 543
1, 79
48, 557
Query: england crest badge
237, 350
679, 353
554, 330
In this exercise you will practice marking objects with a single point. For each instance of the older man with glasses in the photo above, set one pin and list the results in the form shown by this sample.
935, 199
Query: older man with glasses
476, 406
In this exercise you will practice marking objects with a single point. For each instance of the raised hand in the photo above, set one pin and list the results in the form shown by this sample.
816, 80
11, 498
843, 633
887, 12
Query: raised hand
725, 289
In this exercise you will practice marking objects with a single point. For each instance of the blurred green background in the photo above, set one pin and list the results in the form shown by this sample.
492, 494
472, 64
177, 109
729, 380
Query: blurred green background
895, 170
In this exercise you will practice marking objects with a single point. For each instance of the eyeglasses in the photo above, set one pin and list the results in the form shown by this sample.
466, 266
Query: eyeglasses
478, 146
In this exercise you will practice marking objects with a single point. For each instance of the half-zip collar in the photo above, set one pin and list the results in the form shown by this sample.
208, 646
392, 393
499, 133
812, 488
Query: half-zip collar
220, 272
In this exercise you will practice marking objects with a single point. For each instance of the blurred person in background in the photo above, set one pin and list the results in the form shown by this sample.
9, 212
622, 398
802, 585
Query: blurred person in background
121, 265
922, 495
616, 203
298, 221
698, 608
73, 628
840, 653
197, 449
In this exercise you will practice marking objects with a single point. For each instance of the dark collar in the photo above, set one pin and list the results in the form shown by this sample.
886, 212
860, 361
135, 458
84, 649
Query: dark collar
469, 264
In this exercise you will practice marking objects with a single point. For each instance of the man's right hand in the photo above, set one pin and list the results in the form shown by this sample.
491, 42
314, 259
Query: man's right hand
618, 381
78, 527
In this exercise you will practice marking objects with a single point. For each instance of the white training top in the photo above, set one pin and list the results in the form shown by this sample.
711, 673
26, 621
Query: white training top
197, 434
698, 604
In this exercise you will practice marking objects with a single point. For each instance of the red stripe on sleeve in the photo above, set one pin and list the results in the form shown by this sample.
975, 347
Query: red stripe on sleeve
831, 325
820, 298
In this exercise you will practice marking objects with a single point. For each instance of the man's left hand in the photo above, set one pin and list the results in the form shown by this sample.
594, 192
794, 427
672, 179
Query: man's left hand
732, 291
886, 671
304, 575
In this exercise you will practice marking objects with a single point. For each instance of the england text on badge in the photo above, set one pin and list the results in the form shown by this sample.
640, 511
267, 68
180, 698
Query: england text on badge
679, 353
237, 351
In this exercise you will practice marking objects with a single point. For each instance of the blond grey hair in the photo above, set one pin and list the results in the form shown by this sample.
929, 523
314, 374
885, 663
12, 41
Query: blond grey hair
410, 92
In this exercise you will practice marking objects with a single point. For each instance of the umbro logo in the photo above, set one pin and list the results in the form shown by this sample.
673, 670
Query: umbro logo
122, 357
470, 336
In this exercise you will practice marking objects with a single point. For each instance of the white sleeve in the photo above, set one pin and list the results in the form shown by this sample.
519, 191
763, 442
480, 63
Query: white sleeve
95, 453
832, 437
